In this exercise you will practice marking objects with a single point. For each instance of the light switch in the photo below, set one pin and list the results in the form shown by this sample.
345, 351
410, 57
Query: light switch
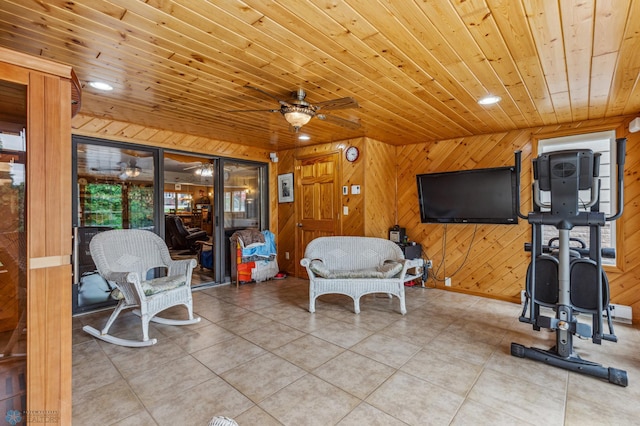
355, 189
345, 190
345, 210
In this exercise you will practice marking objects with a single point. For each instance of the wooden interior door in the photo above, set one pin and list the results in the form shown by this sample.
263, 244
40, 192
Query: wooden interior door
318, 201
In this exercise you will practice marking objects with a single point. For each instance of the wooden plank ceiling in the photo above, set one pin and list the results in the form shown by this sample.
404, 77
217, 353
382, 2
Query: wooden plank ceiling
416, 68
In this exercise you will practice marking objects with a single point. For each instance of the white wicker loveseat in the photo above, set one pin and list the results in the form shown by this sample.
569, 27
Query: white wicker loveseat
355, 266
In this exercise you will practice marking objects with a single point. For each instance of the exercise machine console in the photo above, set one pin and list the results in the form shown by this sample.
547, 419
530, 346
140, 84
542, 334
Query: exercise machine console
567, 279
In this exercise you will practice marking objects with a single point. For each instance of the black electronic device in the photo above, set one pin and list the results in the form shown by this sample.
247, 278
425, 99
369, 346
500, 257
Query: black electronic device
469, 196
411, 250
397, 234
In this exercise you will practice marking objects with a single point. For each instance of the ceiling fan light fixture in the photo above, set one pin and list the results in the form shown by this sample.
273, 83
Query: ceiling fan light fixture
296, 116
489, 100
206, 170
132, 171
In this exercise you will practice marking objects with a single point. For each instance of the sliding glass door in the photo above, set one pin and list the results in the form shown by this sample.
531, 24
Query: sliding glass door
195, 202
243, 203
189, 213
114, 188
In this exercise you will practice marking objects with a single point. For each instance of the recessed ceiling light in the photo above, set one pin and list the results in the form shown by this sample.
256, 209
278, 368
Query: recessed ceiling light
101, 85
489, 100
304, 137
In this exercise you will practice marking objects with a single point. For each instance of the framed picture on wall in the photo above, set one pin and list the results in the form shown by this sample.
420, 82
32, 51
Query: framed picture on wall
285, 188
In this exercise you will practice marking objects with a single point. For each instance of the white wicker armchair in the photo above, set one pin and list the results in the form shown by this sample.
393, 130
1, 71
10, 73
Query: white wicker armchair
124, 257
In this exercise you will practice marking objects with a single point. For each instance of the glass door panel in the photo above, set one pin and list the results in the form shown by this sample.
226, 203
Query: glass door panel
188, 209
114, 189
242, 192
13, 248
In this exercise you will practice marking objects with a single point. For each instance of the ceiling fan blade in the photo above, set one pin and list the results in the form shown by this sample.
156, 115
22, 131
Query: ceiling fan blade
339, 121
192, 167
254, 110
341, 103
280, 101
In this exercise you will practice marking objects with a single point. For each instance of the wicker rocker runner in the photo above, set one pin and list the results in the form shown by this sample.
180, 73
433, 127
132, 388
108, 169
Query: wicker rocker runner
125, 257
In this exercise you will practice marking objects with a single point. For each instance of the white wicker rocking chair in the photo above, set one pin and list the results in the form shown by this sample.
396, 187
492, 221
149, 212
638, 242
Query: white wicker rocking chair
123, 257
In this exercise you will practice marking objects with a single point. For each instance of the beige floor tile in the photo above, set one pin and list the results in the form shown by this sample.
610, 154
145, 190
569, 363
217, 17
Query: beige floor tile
453, 374
354, 373
341, 334
141, 418
365, 414
273, 335
502, 362
447, 361
309, 401
308, 322
415, 401
475, 414
308, 352
584, 412
219, 311
170, 379
519, 398
92, 369
228, 354
411, 331
105, 405
281, 311
245, 323
256, 416
263, 376
387, 350
195, 340
214, 397
453, 346
133, 361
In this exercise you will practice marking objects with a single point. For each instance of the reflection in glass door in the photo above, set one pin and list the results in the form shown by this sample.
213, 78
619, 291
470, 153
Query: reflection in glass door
243, 205
189, 213
114, 189
13, 255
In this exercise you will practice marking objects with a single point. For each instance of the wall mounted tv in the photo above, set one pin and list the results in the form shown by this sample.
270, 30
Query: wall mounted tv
469, 196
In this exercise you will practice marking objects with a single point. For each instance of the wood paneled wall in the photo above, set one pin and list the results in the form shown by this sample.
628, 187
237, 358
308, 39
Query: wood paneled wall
350, 174
381, 192
48, 228
494, 265
489, 260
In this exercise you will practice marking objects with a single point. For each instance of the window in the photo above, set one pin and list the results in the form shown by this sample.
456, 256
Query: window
177, 202
604, 143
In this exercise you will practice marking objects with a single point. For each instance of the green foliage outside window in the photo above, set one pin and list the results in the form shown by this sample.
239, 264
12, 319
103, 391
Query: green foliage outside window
103, 205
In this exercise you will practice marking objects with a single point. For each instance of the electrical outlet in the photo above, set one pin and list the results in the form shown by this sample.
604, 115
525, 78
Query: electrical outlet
447, 281
429, 264
286, 255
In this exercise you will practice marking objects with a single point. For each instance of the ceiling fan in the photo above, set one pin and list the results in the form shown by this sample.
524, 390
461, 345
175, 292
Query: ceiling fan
298, 112
202, 169
126, 169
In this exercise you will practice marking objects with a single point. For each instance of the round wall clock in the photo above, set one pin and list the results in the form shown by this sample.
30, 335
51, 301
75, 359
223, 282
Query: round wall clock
352, 153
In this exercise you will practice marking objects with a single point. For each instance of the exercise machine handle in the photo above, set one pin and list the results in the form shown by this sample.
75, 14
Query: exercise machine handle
518, 168
620, 159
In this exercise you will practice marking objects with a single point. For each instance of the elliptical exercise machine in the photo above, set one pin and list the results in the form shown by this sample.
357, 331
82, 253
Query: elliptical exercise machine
568, 281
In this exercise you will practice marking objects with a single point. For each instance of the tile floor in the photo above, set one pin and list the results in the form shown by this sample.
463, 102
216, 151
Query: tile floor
259, 357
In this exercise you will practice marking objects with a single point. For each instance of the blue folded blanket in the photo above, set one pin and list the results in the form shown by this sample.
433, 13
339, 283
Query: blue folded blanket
262, 250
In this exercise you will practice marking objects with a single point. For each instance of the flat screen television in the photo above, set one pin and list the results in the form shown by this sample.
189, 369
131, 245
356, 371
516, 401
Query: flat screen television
469, 196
